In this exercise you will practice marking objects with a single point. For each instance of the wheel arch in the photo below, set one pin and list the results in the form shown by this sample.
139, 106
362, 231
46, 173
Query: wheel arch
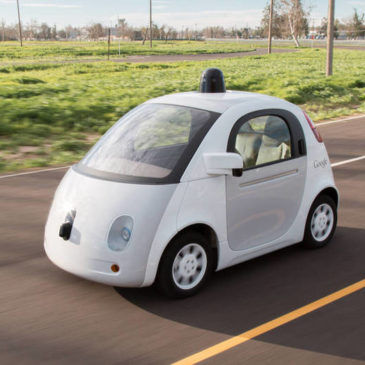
310, 239
331, 192
205, 230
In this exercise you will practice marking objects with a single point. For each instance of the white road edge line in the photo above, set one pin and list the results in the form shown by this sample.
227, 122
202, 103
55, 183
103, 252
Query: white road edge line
34, 172
349, 119
348, 161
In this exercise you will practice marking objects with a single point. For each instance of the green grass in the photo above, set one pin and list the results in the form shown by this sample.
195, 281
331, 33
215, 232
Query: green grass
57, 50
52, 113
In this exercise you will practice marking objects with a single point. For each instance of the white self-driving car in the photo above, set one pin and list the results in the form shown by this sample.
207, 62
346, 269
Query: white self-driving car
190, 183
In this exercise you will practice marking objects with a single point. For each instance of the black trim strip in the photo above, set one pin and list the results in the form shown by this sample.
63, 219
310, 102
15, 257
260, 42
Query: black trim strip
175, 175
294, 126
269, 178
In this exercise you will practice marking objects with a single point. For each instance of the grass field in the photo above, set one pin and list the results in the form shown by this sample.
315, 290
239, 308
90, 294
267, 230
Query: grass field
32, 51
52, 113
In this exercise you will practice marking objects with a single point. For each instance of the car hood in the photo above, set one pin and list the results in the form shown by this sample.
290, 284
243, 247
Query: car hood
97, 203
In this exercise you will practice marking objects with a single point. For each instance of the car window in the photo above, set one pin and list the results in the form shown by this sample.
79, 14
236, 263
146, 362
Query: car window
263, 140
148, 142
165, 127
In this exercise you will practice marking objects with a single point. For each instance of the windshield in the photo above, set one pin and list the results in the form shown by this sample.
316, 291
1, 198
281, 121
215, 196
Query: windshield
149, 141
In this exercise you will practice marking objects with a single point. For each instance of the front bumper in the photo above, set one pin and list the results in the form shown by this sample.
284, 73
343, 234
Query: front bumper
95, 204
71, 258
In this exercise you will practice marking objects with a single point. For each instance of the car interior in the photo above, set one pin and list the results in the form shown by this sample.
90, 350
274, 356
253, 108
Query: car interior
263, 140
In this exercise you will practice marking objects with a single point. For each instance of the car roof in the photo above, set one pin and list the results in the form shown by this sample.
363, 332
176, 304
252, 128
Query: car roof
215, 102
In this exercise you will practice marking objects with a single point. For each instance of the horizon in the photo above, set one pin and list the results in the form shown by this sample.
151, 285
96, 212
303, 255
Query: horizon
190, 14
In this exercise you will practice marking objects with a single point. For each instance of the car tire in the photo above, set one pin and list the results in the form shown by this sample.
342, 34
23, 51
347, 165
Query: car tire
185, 266
321, 222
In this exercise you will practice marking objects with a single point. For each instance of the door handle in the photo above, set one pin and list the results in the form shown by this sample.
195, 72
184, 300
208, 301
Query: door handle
301, 147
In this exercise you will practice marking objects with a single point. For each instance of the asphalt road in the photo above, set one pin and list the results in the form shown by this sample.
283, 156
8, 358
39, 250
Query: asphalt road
200, 57
50, 316
160, 58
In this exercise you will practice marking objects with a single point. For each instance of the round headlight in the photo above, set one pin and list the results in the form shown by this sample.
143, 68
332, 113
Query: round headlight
120, 233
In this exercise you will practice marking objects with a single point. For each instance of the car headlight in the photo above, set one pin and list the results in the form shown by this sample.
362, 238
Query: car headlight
120, 233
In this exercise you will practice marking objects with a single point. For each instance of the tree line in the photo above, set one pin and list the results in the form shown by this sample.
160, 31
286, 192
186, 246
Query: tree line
291, 20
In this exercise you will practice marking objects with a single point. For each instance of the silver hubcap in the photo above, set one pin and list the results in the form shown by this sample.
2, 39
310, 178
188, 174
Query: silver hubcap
322, 222
189, 266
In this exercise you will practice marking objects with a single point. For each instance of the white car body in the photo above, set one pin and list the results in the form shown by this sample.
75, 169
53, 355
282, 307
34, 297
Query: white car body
263, 210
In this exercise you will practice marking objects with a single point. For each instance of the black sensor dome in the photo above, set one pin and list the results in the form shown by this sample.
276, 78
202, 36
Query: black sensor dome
212, 81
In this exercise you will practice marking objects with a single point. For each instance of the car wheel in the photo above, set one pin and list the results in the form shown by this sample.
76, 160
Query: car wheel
321, 222
185, 265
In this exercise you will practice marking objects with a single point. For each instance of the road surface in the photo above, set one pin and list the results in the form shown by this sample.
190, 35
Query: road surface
50, 316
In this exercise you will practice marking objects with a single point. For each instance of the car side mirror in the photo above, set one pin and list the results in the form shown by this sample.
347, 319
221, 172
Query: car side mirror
223, 163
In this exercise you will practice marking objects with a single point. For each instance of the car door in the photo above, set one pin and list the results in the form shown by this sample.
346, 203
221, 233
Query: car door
264, 198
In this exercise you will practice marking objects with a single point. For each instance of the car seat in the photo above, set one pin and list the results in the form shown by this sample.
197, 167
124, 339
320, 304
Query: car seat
248, 144
275, 141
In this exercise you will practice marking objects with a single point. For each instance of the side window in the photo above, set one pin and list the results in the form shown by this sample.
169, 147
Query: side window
263, 140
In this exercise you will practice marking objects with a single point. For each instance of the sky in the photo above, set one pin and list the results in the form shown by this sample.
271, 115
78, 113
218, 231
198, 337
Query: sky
194, 14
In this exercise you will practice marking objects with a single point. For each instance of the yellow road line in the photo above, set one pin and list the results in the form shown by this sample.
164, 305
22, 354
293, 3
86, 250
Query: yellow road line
268, 326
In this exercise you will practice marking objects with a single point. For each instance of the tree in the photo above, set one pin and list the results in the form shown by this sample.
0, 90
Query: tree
169, 33
279, 23
61, 34
95, 31
45, 31
214, 32
3, 30
122, 27
9, 32
54, 32
356, 25
245, 33
155, 31
144, 31
324, 25
289, 20
172, 32
68, 31
296, 17
32, 30
257, 33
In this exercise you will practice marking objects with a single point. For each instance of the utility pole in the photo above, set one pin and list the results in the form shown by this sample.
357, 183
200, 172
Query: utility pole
270, 26
3, 29
108, 44
330, 35
150, 23
20, 26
